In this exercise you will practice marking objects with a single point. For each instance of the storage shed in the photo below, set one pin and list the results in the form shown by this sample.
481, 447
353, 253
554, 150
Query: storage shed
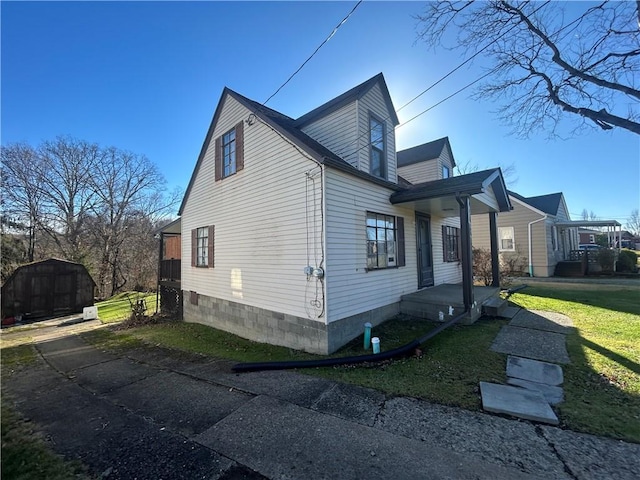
48, 288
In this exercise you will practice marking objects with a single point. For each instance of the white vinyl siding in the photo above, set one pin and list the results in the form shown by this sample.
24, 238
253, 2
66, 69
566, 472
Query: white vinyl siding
372, 103
350, 288
428, 170
337, 131
443, 272
420, 172
519, 219
260, 221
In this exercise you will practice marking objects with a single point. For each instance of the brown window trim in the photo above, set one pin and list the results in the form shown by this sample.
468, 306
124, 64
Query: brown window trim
219, 159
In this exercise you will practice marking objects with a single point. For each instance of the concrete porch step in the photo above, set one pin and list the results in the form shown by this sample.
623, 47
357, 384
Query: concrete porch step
494, 307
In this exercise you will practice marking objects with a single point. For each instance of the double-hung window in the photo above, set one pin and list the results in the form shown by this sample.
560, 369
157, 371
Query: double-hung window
385, 241
451, 243
202, 243
378, 164
229, 153
506, 239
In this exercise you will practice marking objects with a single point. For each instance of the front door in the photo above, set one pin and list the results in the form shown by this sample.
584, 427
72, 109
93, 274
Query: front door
425, 259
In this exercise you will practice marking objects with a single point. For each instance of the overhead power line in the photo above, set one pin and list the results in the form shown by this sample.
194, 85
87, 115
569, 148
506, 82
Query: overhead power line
344, 20
444, 77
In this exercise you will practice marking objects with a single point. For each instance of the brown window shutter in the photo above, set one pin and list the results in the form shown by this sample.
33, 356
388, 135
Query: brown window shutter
193, 247
239, 146
400, 234
212, 231
218, 158
444, 244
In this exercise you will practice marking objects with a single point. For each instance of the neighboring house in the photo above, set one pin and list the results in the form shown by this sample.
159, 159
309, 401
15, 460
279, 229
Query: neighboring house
47, 288
297, 231
588, 236
532, 234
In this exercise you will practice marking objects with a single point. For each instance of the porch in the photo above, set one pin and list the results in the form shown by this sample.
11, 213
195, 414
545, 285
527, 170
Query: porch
445, 301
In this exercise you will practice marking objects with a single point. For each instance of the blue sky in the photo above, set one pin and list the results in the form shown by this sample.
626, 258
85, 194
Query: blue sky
146, 77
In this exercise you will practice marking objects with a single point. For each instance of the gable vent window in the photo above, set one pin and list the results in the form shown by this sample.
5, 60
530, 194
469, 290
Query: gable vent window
230, 152
378, 164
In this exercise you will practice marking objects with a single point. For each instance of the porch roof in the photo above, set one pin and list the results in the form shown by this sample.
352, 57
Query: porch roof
486, 188
589, 223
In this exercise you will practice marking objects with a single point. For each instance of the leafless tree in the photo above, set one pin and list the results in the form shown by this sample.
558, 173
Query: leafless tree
64, 179
508, 171
128, 189
21, 199
588, 216
633, 224
545, 62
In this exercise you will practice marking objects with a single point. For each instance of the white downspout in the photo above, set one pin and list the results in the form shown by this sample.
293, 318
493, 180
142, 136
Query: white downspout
530, 244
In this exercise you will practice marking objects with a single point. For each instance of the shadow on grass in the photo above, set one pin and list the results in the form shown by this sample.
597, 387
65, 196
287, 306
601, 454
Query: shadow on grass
624, 299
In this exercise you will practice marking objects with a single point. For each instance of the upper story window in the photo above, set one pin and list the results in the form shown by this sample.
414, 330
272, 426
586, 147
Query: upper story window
378, 164
230, 152
446, 173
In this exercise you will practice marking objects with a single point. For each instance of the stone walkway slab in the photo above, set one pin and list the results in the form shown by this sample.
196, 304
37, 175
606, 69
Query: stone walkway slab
539, 320
284, 441
510, 312
71, 353
553, 395
530, 343
534, 370
517, 402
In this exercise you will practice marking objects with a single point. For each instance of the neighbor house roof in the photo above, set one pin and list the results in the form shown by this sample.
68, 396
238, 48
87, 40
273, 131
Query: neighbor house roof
546, 203
426, 151
347, 97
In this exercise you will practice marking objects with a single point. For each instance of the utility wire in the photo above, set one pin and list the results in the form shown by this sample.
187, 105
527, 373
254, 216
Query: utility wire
445, 77
344, 20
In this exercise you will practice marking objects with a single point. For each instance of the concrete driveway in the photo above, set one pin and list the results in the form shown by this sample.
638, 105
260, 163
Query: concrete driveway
153, 413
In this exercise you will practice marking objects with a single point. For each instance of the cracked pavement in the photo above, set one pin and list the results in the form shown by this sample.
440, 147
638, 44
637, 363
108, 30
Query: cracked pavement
156, 413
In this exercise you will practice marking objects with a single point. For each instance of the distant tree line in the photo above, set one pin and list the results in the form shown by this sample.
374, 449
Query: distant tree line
75, 200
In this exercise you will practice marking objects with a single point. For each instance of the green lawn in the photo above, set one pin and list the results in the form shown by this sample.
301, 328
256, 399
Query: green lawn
602, 383
118, 307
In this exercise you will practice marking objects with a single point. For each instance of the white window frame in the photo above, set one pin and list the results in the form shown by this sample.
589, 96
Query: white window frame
506, 233
229, 164
202, 247
446, 171
375, 147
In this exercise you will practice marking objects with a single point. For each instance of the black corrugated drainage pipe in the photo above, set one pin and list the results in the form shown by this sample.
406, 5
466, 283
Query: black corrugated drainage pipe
513, 290
402, 351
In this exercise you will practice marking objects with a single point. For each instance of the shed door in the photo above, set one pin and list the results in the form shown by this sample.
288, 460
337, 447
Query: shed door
425, 258
41, 295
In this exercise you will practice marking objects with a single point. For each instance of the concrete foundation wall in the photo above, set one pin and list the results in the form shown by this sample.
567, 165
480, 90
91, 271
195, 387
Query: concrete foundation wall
276, 328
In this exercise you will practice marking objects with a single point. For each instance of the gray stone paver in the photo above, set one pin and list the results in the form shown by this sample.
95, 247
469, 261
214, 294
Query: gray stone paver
553, 395
534, 370
547, 321
530, 343
517, 402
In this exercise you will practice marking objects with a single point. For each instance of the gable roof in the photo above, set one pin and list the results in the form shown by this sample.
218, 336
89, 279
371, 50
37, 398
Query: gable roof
548, 204
426, 151
287, 128
347, 97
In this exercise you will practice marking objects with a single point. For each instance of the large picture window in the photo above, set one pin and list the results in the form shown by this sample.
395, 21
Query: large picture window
451, 243
381, 241
378, 164
506, 239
